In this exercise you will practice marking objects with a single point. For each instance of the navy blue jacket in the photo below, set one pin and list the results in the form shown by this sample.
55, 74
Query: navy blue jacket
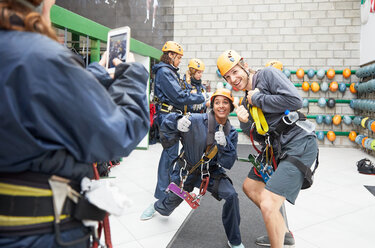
168, 89
56, 117
200, 89
194, 141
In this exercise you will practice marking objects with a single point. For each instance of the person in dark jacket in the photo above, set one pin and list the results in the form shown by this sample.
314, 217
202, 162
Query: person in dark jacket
193, 83
271, 92
57, 119
171, 96
195, 132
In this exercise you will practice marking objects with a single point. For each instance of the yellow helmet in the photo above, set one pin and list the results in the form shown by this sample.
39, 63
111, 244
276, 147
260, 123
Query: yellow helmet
196, 64
227, 60
223, 92
276, 64
172, 46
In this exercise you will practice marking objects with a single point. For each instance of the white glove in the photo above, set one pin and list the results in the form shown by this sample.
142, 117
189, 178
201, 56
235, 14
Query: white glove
183, 124
220, 138
105, 196
197, 107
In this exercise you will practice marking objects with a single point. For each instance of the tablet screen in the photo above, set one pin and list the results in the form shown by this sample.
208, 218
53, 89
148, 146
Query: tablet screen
117, 48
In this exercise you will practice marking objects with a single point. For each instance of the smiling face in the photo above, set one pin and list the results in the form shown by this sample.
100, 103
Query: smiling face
221, 108
238, 78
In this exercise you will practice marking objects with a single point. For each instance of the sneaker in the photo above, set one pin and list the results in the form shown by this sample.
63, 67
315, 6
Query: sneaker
148, 213
236, 246
265, 241
365, 166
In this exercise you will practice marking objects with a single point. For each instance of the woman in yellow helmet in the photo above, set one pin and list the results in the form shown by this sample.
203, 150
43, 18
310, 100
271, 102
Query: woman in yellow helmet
193, 83
195, 131
170, 96
270, 91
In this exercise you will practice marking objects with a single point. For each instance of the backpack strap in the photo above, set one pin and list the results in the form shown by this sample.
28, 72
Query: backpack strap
306, 171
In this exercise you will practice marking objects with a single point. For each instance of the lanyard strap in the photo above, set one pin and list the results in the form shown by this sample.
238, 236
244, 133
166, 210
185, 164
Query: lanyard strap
259, 120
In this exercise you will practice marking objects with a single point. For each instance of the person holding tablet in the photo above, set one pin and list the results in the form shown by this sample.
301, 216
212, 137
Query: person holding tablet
57, 119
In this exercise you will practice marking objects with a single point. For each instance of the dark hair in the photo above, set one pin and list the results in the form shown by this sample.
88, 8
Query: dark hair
231, 103
165, 57
16, 16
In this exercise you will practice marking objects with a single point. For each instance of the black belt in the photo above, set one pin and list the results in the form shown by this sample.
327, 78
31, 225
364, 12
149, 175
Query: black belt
30, 206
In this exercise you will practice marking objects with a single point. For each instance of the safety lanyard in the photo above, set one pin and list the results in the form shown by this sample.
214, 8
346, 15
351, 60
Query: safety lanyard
192, 199
210, 153
262, 169
259, 120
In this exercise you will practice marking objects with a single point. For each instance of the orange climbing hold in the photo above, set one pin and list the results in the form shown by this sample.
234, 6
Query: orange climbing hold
330, 74
336, 120
305, 86
315, 87
333, 86
331, 136
300, 73
346, 73
352, 89
363, 141
373, 126
352, 136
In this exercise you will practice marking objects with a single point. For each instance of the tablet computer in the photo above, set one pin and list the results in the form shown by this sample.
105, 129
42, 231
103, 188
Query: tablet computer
118, 43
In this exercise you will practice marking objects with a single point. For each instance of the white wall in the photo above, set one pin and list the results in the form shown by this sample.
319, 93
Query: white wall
300, 33
367, 34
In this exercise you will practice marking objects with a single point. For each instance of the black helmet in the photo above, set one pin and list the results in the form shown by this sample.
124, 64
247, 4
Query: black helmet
331, 103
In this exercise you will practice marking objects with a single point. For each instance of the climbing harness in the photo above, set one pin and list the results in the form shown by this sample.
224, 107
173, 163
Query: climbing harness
34, 203
264, 161
186, 169
191, 199
104, 223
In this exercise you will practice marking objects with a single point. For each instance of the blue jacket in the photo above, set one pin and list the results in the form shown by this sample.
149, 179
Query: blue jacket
56, 117
168, 89
199, 87
194, 141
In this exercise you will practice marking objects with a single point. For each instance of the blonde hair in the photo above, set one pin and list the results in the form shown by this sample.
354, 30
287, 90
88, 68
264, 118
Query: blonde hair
188, 76
16, 16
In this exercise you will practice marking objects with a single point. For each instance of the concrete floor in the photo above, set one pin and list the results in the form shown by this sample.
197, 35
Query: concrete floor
338, 211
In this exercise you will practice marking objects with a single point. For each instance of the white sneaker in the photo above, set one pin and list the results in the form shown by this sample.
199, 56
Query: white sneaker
148, 213
235, 246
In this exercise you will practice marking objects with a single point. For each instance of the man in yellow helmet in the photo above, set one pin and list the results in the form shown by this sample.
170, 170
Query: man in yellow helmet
170, 97
271, 92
